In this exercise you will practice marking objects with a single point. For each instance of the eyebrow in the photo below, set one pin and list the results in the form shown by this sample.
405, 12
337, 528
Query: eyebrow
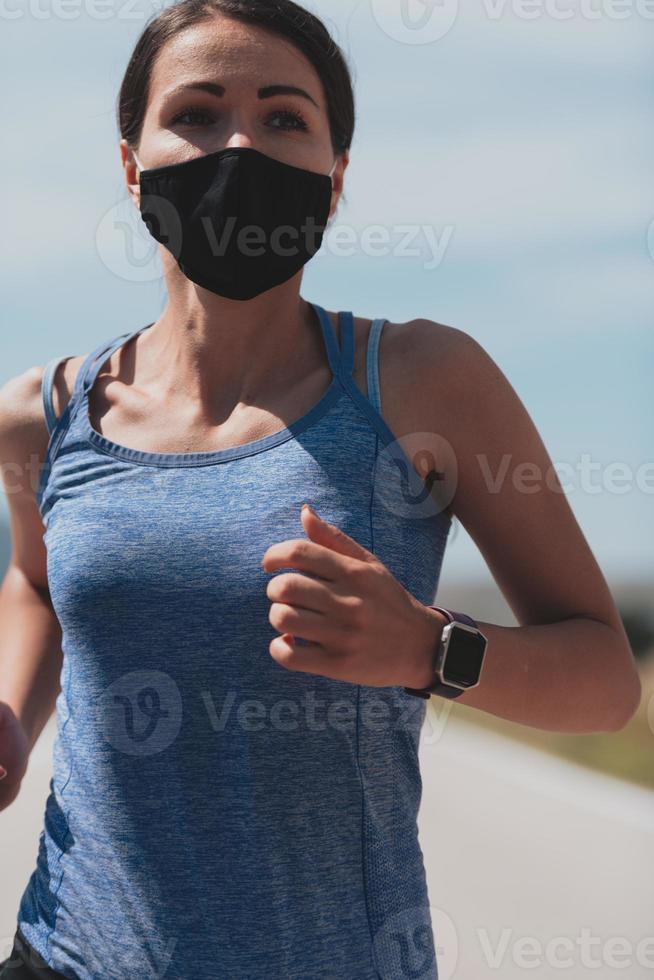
266, 92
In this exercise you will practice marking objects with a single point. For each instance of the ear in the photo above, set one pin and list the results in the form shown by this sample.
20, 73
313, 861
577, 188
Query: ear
337, 182
131, 171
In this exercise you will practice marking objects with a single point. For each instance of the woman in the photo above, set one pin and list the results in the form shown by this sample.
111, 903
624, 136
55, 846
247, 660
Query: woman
236, 783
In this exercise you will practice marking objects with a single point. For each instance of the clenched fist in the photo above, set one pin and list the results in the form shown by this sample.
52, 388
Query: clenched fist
14, 754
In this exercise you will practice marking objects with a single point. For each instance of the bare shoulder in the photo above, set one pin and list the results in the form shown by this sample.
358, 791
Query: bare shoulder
20, 396
23, 430
425, 370
502, 482
420, 338
21, 413
23, 445
438, 356
23, 442
442, 375
442, 393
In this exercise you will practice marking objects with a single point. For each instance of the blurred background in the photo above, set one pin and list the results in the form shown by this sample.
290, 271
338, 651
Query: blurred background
504, 153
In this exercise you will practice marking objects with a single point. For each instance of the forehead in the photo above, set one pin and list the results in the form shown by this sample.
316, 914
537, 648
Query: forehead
237, 55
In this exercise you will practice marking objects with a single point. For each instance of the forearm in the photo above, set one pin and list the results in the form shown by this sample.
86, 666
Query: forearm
30, 652
576, 676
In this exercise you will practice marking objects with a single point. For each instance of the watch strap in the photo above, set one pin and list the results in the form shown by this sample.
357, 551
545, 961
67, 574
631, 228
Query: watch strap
456, 616
438, 687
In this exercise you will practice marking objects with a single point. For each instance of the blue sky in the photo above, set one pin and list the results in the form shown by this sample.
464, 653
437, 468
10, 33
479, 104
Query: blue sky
519, 136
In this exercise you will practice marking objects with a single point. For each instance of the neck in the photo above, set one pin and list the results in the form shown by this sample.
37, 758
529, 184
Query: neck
204, 344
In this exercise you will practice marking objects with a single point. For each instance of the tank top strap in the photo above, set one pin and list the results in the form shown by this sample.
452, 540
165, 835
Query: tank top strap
46, 390
94, 361
372, 363
346, 323
341, 361
58, 427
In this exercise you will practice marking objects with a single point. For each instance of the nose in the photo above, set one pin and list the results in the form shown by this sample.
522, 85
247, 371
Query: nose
239, 139
238, 132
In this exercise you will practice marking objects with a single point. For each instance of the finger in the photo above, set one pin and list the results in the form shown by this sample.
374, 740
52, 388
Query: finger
304, 623
308, 658
304, 555
298, 589
331, 536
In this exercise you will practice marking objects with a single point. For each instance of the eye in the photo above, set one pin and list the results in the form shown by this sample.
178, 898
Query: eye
192, 111
292, 115
291, 118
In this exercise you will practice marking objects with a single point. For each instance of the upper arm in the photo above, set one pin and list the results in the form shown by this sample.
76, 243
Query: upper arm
505, 489
24, 441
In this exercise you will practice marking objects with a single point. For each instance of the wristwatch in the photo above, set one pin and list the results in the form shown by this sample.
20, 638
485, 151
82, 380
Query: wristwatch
458, 659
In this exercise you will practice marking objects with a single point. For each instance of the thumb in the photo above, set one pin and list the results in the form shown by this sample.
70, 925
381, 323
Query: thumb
322, 532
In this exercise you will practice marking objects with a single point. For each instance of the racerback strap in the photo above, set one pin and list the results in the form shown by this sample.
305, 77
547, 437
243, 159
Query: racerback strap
372, 363
93, 362
342, 361
46, 390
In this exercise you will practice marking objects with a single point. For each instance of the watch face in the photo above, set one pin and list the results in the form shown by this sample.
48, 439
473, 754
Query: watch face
464, 657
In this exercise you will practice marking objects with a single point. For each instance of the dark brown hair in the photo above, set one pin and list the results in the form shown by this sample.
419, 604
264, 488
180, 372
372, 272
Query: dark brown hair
282, 17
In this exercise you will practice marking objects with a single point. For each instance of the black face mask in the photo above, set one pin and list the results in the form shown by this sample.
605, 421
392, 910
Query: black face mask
237, 221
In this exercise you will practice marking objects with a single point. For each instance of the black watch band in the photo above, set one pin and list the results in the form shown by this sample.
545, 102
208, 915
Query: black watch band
438, 687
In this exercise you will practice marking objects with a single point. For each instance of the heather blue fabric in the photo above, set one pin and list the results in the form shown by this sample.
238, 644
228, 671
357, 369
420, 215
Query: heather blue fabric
213, 815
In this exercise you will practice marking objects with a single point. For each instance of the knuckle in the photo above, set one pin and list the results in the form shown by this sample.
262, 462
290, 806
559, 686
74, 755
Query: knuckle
298, 551
276, 615
279, 588
357, 572
356, 608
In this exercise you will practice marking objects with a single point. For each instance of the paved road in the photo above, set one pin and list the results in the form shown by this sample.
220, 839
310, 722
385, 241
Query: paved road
531, 861
523, 850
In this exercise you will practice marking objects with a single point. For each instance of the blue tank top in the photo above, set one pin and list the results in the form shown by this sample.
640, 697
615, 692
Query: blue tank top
213, 815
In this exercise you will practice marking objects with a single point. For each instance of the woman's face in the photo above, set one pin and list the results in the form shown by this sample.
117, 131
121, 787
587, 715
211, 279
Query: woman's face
243, 67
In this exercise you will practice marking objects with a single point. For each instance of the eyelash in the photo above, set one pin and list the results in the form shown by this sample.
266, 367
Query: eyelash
293, 113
